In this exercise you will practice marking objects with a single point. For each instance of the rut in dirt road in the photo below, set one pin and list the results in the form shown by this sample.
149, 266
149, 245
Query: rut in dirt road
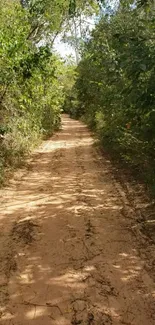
67, 254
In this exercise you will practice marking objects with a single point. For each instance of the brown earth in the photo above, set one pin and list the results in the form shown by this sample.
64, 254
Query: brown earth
72, 250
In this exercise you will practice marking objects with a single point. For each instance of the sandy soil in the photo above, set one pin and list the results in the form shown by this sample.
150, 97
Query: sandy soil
68, 250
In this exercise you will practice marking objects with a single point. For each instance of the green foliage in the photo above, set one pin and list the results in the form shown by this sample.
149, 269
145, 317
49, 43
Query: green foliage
115, 86
68, 80
31, 94
48, 18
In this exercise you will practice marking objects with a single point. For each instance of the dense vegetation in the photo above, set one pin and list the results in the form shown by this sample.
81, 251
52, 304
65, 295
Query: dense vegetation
30, 92
115, 87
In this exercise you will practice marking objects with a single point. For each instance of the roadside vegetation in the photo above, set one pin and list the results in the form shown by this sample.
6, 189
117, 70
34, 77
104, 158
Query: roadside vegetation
114, 90
30, 92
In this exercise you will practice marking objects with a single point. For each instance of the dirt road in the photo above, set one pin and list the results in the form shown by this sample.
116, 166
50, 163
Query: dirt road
67, 252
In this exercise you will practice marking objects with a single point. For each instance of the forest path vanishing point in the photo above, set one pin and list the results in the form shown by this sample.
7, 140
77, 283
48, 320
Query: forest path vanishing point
69, 250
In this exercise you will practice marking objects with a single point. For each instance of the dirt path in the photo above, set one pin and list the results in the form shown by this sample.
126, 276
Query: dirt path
68, 255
